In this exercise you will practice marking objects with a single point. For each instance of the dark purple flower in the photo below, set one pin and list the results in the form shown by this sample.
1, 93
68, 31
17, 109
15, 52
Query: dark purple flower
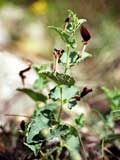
57, 53
85, 34
22, 72
85, 91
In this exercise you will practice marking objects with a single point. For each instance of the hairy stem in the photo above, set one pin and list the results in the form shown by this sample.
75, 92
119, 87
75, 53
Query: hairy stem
67, 62
61, 105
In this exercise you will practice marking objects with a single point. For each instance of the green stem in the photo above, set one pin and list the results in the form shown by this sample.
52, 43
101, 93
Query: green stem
82, 145
67, 62
102, 148
61, 105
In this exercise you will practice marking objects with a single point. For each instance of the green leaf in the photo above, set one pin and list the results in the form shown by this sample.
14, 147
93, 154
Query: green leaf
116, 114
108, 92
80, 120
73, 131
100, 115
111, 137
59, 78
74, 23
67, 35
73, 145
72, 103
50, 115
113, 96
72, 59
37, 124
42, 118
40, 83
36, 96
35, 148
85, 55
47, 111
110, 122
42, 68
67, 38
81, 21
60, 130
51, 107
67, 92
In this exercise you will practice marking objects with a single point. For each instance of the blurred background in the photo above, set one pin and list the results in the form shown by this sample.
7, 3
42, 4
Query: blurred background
24, 35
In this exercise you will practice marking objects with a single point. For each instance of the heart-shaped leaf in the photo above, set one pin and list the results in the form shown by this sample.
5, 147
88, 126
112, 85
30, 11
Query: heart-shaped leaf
67, 92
